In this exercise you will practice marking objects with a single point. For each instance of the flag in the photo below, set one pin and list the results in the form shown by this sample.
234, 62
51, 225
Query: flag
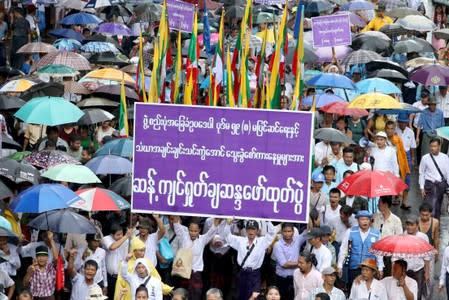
206, 31
258, 103
191, 86
123, 118
217, 71
165, 60
178, 68
297, 59
274, 87
59, 274
153, 93
245, 92
229, 90
141, 74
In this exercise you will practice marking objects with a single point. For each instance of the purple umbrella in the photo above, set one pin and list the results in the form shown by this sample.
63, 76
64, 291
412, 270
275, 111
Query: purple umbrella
433, 75
353, 18
113, 29
325, 54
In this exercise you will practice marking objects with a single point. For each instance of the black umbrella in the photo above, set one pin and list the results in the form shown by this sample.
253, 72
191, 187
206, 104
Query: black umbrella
148, 12
309, 53
393, 30
117, 10
9, 143
8, 72
316, 7
10, 102
108, 58
18, 172
385, 64
122, 186
235, 12
408, 46
373, 41
44, 89
63, 221
94, 115
5, 192
389, 74
115, 90
427, 47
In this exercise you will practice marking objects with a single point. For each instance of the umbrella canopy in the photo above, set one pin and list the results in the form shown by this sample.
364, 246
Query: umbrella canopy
417, 22
360, 57
9, 143
316, 7
66, 33
385, 64
122, 186
391, 75
443, 132
332, 135
150, 12
100, 3
113, 29
109, 58
404, 246
341, 108
402, 12
405, 107
10, 102
5, 231
393, 30
99, 47
110, 164
70, 59
47, 111
58, 70
36, 47
80, 18
111, 74
114, 89
372, 40
432, 75
18, 172
372, 183
98, 199
46, 159
67, 45
5, 192
9, 72
63, 221
95, 115
97, 102
17, 86
71, 173
331, 80
75, 88
235, 12
373, 85
321, 99
358, 5
374, 101
132, 69
408, 46
121, 147
43, 89
43, 197
441, 34
420, 61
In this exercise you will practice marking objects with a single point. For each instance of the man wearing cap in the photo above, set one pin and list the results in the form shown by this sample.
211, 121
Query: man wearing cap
328, 287
367, 286
430, 120
417, 268
379, 20
384, 156
318, 199
322, 254
356, 242
326, 239
151, 239
400, 286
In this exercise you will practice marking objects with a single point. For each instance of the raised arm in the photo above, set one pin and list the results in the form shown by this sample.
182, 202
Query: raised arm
160, 227
71, 265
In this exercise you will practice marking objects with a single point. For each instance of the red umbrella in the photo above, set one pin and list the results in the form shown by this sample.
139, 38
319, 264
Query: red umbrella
98, 199
341, 108
372, 183
403, 246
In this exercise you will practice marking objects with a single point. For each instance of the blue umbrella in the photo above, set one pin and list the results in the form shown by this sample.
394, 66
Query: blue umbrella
120, 147
332, 80
358, 5
99, 47
322, 99
63, 221
43, 197
66, 33
67, 44
80, 18
373, 85
407, 108
110, 164
4, 223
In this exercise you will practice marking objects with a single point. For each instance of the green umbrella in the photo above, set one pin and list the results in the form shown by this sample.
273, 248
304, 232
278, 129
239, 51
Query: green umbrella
49, 111
71, 173
19, 155
57, 70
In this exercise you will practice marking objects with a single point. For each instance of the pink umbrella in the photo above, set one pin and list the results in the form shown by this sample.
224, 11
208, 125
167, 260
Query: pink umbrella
213, 38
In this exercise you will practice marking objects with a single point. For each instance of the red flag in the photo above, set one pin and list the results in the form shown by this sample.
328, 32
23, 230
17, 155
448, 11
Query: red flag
59, 274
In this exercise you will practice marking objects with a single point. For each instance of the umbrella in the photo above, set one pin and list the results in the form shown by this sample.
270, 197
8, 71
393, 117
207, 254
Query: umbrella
408, 46
374, 101
377, 85
372, 183
358, 5
117, 11
341, 108
325, 54
63, 221
355, 20
309, 53
110, 164
46, 159
235, 12
97, 102
332, 135
66, 33
113, 29
121, 147
10, 102
321, 99
9, 72
58, 70
393, 30
70, 59
17, 86
416, 22
75, 88
132, 69
405, 246
360, 57
109, 58
405, 107
420, 44
99, 3
372, 40
6, 231
73, 4
99, 47
50, 111
331, 80
18, 156
9, 143
80, 18
402, 12
385, 64
148, 12
18, 172
122, 186
95, 115
43, 89
420, 61
98, 199
36, 47
67, 45
114, 89
71, 173
316, 7
443, 132
391, 75
43, 197
432, 75
5, 192
110, 74
441, 33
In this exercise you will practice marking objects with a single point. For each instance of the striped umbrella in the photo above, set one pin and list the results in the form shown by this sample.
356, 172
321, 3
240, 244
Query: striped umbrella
97, 102
361, 57
17, 86
67, 44
80, 18
98, 199
75, 88
70, 59
58, 70
99, 47
36, 47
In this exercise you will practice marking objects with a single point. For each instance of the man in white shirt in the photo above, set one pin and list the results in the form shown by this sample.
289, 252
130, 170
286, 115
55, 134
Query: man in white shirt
433, 175
322, 254
341, 224
332, 210
81, 282
385, 221
366, 286
421, 104
151, 239
384, 156
400, 286
306, 278
328, 287
322, 150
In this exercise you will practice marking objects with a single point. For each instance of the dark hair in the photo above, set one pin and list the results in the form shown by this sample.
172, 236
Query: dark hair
51, 129
435, 140
75, 137
350, 172
92, 263
142, 288
388, 200
115, 227
328, 167
322, 296
425, 207
90, 150
389, 122
285, 225
402, 263
348, 150
183, 293
335, 191
272, 287
309, 257
61, 148
346, 210
24, 292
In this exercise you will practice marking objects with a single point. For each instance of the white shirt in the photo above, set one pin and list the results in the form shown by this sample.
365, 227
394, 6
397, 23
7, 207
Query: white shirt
340, 228
428, 170
13, 263
420, 106
327, 213
114, 257
385, 159
390, 226
444, 266
322, 151
408, 138
80, 289
304, 285
151, 246
415, 264
323, 256
396, 292
153, 285
376, 292
175, 242
443, 103
100, 257
30, 250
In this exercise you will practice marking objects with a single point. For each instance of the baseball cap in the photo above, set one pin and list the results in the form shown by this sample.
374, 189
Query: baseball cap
313, 233
381, 134
328, 271
412, 219
326, 230
252, 224
363, 214
319, 177
41, 250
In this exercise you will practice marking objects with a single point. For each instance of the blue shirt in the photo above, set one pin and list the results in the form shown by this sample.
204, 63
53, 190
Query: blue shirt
327, 188
3, 29
283, 252
430, 121
341, 168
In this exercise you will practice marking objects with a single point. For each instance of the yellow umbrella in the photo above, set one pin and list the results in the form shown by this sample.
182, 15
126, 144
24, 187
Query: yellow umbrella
375, 101
110, 74
17, 86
